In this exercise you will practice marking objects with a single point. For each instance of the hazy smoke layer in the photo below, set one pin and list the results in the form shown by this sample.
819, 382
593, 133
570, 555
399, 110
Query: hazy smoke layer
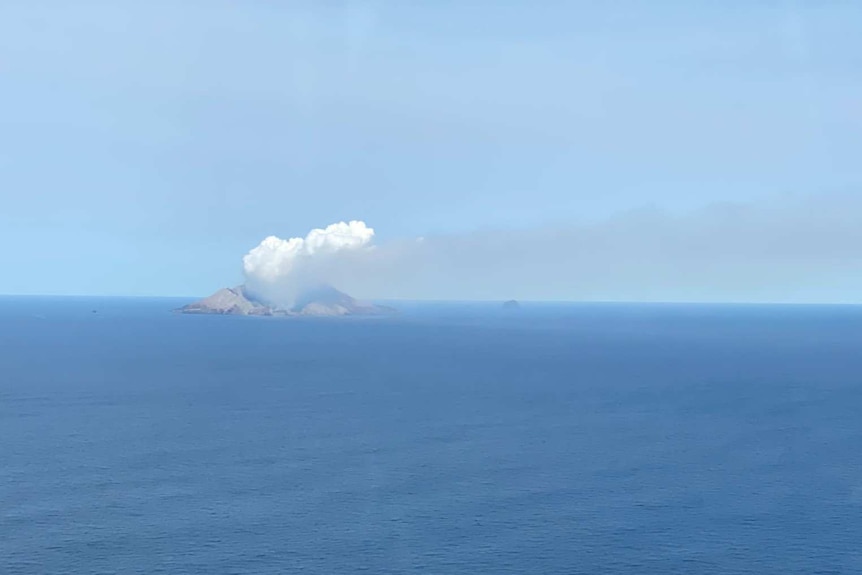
783, 249
277, 269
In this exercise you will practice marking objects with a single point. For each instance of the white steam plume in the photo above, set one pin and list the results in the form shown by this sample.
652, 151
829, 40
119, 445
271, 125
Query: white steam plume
781, 249
277, 269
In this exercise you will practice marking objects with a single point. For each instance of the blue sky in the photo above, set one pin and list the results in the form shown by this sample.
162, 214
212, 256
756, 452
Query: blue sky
145, 147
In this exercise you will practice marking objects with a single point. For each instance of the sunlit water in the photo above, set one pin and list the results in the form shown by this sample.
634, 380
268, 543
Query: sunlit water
452, 439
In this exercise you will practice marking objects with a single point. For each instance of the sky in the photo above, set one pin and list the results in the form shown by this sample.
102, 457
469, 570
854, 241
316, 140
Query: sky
545, 150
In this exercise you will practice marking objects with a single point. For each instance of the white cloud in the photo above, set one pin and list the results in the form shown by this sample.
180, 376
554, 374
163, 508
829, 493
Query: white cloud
277, 267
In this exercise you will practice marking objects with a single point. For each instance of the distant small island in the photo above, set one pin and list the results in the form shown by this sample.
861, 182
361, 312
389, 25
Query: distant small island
323, 301
511, 304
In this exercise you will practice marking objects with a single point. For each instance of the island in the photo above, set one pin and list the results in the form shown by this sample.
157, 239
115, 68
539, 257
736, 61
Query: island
511, 304
322, 301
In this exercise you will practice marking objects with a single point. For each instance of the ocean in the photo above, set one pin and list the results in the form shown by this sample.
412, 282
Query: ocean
454, 438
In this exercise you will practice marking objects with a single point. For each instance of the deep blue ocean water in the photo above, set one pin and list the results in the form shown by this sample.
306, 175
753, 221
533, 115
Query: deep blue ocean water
557, 439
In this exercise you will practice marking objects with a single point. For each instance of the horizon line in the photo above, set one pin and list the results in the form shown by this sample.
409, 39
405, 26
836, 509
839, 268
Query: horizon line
480, 301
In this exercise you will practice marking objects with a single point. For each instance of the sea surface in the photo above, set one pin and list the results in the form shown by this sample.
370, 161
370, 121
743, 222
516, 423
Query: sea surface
455, 438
